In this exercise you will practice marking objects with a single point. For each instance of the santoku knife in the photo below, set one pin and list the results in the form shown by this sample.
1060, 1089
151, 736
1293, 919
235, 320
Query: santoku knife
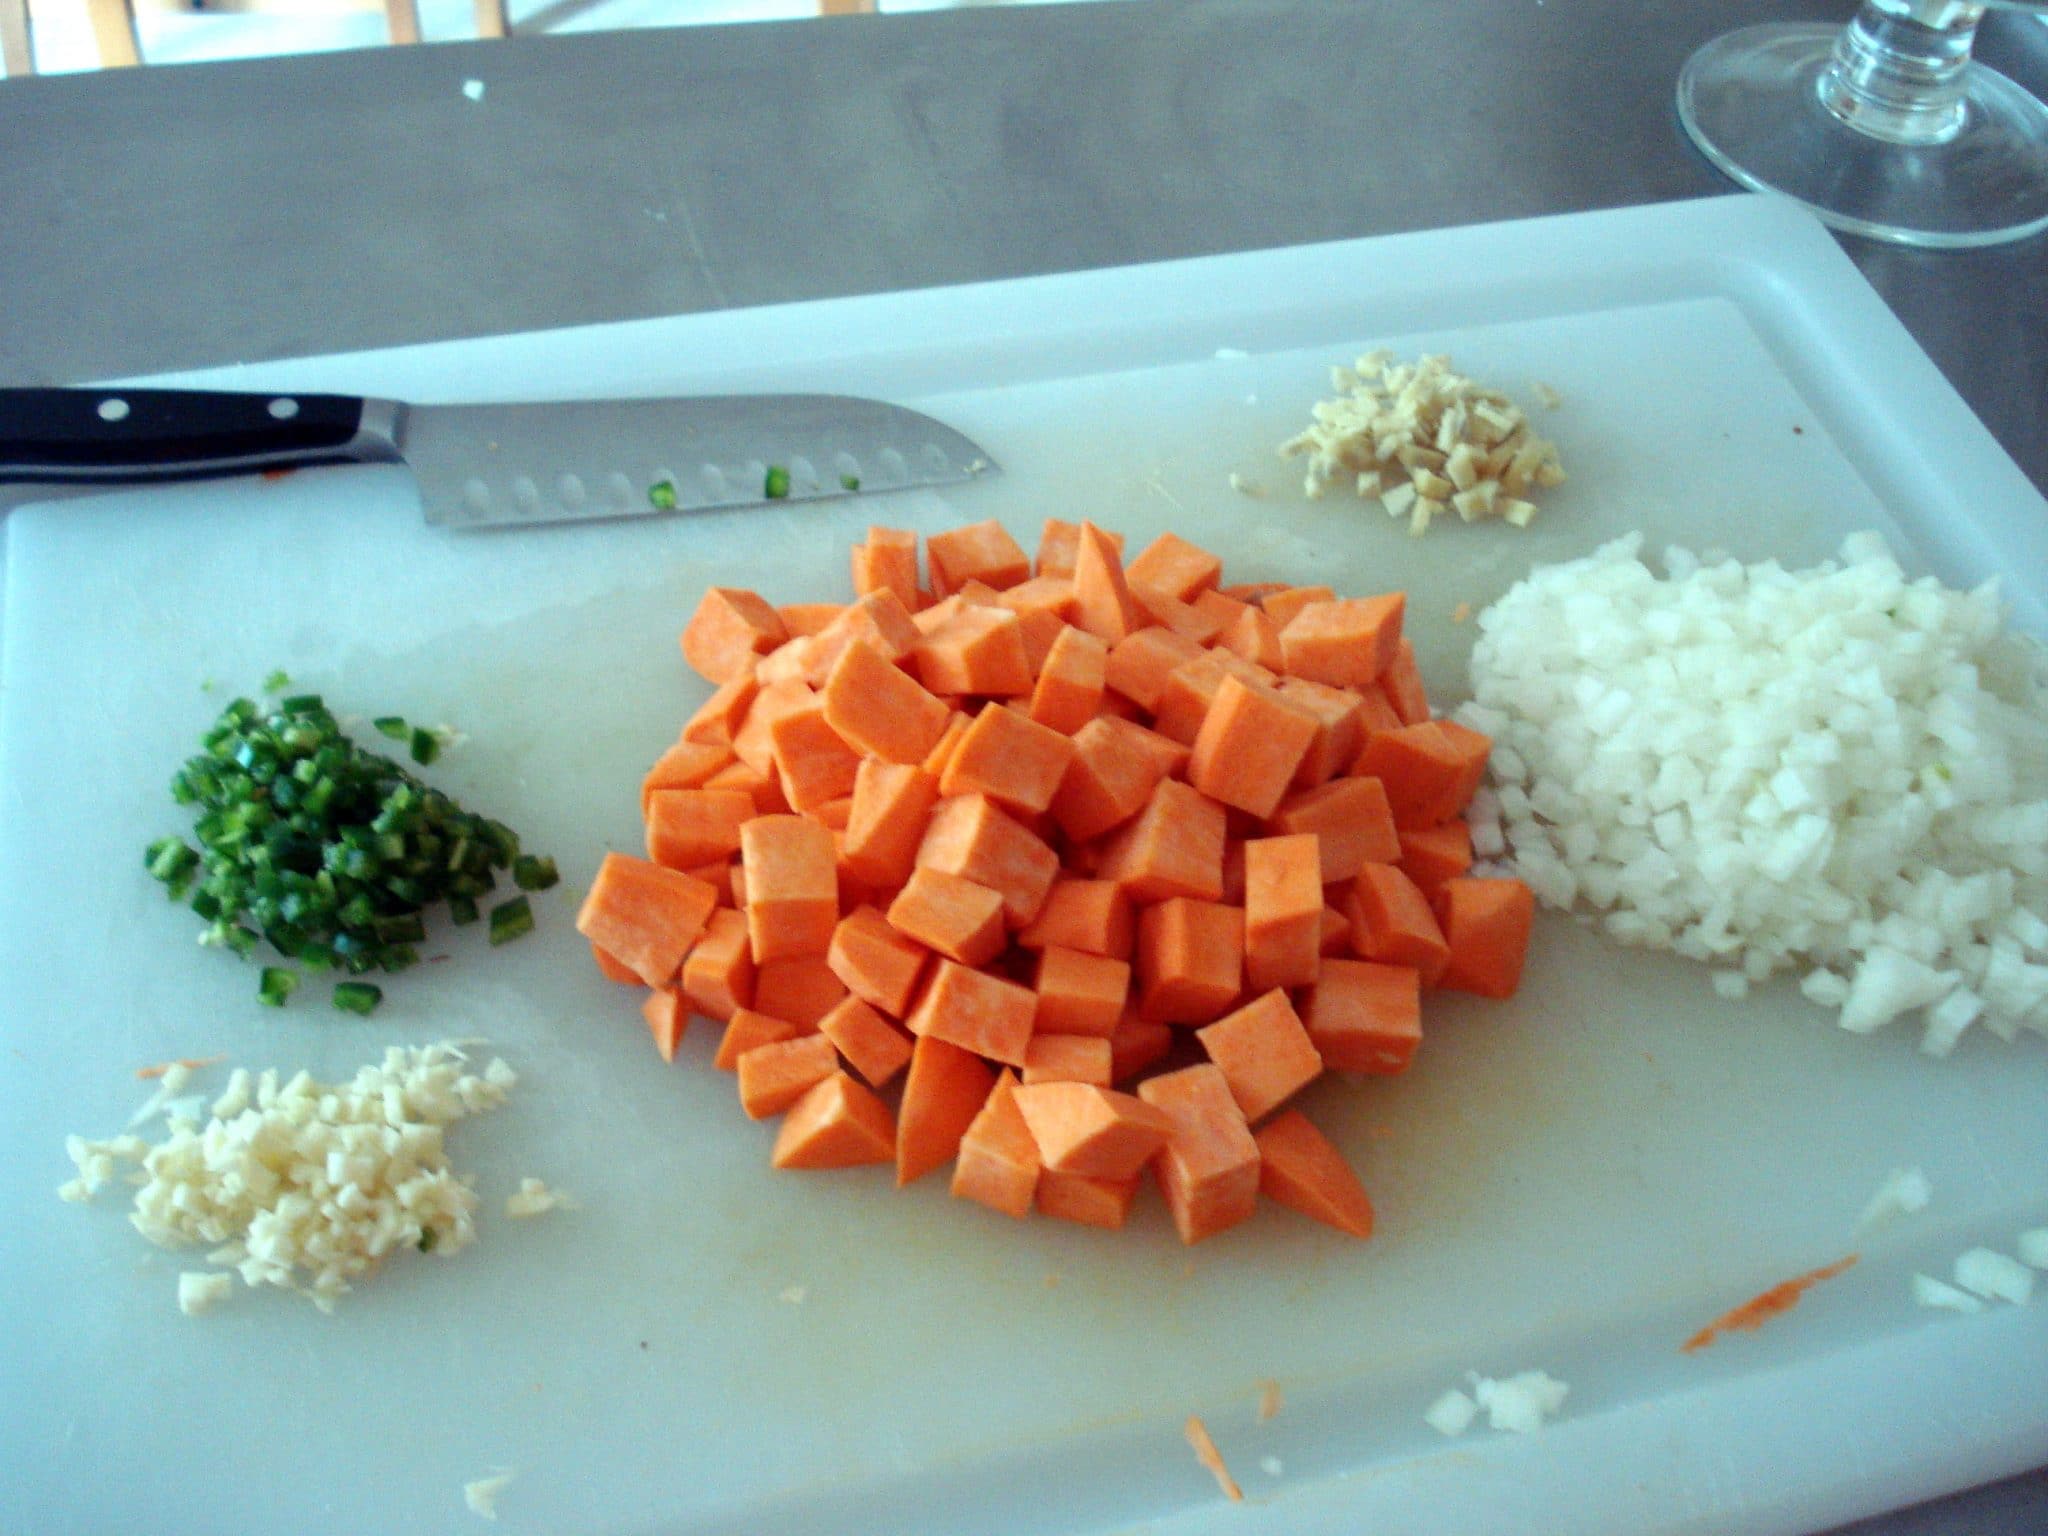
481, 466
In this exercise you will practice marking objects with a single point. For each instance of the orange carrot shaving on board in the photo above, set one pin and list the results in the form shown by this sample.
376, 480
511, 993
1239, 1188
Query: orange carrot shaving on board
1765, 1305
189, 1063
1207, 1454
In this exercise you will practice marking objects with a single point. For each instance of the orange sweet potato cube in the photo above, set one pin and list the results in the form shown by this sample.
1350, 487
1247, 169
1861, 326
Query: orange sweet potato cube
1068, 692
838, 1124
888, 562
1013, 760
1190, 964
1250, 744
1173, 847
1086, 1128
1068, 1059
976, 650
876, 964
1283, 911
891, 804
1208, 1169
1352, 822
880, 710
718, 976
1092, 916
689, 827
774, 1076
952, 916
1174, 565
1090, 1201
1346, 642
1391, 921
1299, 1167
998, 1163
971, 837
730, 627
813, 763
1102, 597
1364, 1016
975, 1011
1340, 716
792, 886
1107, 780
982, 552
1140, 663
872, 1046
800, 988
645, 917
1080, 994
1264, 1052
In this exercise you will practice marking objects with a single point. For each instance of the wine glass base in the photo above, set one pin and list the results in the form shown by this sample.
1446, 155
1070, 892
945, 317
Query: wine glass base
1751, 101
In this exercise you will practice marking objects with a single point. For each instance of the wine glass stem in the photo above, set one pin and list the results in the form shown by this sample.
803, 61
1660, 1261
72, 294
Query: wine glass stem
1898, 67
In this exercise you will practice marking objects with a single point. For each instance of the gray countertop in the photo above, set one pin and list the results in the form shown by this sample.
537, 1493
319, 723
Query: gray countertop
179, 217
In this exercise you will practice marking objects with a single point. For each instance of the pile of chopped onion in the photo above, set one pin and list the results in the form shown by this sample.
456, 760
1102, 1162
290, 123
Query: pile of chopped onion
1835, 771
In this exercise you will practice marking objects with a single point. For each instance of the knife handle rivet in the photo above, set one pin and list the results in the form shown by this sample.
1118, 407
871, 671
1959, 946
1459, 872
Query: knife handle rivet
283, 408
114, 408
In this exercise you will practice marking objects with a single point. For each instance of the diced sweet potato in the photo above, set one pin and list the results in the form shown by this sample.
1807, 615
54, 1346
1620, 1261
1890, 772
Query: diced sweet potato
1347, 642
1014, 761
1300, 1168
731, 626
838, 1124
998, 1162
872, 1046
1070, 682
875, 962
1391, 921
800, 988
1093, 916
1209, 1168
1283, 911
1352, 822
792, 886
1068, 1059
1364, 1016
1090, 1201
942, 1094
1190, 965
1174, 847
1250, 744
982, 552
1102, 597
970, 837
1264, 1052
892, 802
975, 1011
775, 1075
1080, 994
879, 709
644, 916
689, 827
1486, 925
949, 915
718, 976
1083, 1128
1171, 563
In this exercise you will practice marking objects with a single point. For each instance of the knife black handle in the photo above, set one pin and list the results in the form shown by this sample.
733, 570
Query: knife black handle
116, 434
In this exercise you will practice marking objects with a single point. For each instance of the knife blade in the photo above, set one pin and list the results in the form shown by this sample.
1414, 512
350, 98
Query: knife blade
496, 465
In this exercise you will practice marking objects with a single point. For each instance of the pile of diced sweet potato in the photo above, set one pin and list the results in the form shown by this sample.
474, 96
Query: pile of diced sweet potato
1089, 865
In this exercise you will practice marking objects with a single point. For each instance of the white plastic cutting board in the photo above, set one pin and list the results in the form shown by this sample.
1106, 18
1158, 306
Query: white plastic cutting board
1575, 1181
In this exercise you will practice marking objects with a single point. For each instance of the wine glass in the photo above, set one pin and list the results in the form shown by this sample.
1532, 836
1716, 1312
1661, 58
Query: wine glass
1884, 127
